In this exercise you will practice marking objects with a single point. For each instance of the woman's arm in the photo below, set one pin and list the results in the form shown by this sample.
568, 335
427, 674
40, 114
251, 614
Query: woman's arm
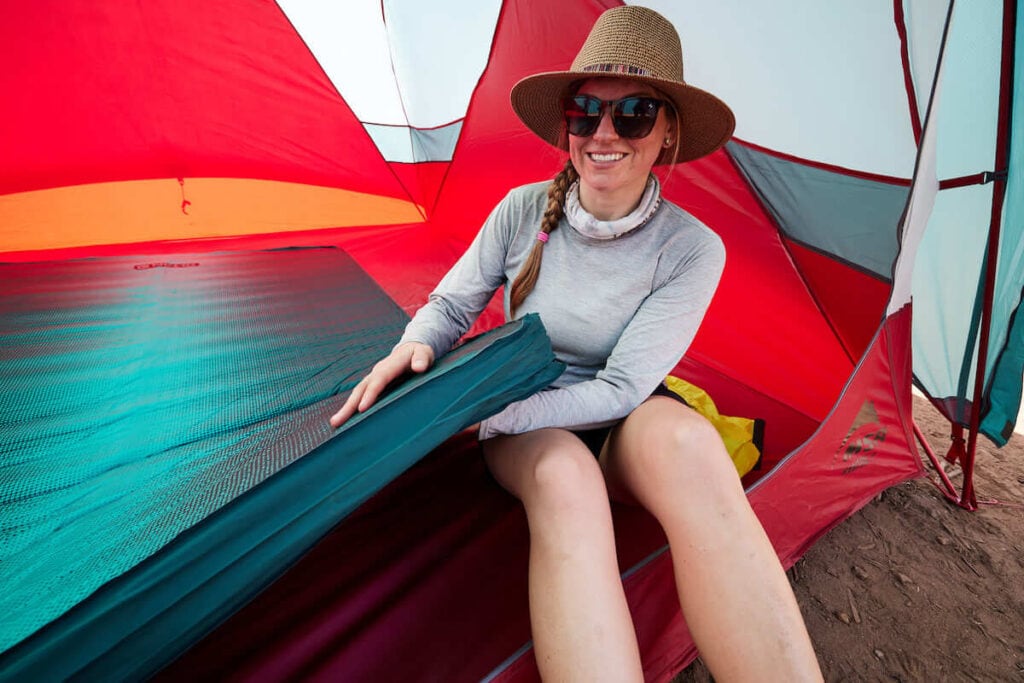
450, 310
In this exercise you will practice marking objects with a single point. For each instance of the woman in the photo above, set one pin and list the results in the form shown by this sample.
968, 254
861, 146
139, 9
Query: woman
625, 282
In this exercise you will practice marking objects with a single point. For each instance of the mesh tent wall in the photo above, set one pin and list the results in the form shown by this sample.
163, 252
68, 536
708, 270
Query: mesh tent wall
384, 128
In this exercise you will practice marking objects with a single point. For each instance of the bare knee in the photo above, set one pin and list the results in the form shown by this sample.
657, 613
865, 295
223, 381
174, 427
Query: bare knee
565, 481
687, 436
674, 458
551, 472
680, 439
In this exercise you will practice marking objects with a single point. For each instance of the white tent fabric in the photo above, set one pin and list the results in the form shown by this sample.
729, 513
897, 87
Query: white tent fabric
831, 97
418, 65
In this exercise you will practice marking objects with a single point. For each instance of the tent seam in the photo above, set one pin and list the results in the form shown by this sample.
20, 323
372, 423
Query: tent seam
908, 77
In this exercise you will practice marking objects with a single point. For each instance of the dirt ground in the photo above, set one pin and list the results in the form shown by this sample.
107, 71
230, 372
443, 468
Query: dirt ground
912, 588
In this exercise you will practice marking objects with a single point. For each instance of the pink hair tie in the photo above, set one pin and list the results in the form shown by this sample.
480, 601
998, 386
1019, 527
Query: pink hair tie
542, 236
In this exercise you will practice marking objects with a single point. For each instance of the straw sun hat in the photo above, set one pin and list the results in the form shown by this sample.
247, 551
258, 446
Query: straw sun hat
639, 44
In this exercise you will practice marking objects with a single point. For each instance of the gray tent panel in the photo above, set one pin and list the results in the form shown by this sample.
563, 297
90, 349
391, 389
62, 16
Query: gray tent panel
851, 218
405, 144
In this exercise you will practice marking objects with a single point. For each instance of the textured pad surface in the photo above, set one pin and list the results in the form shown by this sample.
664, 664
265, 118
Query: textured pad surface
139, 396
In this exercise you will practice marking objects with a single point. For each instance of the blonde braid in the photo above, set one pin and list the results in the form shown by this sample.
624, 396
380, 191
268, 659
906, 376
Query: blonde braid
527, 277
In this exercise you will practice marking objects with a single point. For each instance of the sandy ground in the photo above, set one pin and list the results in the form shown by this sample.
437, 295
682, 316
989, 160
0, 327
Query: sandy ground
912, 588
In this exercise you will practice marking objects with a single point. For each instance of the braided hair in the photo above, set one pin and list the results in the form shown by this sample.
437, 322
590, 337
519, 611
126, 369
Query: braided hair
527, 277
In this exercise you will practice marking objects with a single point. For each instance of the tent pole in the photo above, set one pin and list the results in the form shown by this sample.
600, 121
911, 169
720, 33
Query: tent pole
967, 497
950, 490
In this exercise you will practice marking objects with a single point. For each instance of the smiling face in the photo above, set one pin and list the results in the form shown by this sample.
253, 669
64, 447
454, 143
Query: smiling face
613, 170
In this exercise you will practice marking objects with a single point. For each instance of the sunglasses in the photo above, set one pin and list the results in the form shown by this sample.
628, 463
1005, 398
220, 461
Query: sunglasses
632, 117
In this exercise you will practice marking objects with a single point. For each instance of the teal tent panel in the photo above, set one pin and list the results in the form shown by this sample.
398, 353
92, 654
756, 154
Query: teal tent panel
950, 270
265, 493
1005, 393
968, 107
1007, 357
848, 217
948, 275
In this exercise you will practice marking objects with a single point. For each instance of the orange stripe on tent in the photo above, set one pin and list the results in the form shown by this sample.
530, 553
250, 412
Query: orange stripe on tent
168, 209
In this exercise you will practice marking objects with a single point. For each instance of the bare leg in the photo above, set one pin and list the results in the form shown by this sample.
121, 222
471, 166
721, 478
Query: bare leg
734, 593
582, 629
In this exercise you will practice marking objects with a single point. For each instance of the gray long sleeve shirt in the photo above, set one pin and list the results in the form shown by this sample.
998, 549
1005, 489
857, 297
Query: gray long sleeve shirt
620, 313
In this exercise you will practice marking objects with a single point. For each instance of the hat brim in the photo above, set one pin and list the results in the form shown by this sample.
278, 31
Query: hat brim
706, 122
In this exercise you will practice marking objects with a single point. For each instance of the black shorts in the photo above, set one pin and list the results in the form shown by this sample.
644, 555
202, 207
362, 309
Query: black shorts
595, 438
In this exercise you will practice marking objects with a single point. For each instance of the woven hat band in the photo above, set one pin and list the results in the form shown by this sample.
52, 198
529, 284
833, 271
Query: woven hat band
617, 69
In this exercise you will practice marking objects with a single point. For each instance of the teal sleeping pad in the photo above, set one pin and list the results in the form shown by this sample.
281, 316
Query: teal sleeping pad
166, 451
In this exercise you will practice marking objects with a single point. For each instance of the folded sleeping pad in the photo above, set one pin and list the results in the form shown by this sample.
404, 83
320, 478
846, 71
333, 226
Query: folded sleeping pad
164, 445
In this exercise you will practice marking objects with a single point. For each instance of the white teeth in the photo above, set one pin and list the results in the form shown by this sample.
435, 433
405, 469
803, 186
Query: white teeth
606, 157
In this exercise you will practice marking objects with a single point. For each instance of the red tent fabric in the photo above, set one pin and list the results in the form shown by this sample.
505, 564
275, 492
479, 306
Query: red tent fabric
189, 126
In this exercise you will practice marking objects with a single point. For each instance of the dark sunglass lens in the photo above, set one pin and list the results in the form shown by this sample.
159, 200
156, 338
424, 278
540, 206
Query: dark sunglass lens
591, 105
634, 117
582, 115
